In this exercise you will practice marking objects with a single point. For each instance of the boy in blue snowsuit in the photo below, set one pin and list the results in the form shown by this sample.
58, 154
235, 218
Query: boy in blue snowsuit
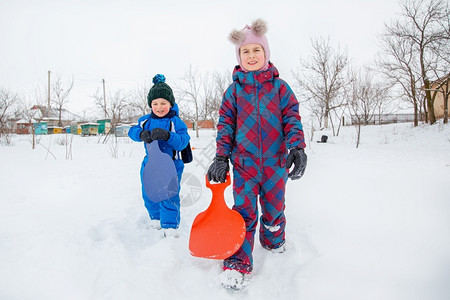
260, 133
164, 125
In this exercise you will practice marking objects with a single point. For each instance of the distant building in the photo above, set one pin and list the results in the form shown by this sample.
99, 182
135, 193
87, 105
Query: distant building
440, 86
202, 124
23, 127
51, 116
48, 117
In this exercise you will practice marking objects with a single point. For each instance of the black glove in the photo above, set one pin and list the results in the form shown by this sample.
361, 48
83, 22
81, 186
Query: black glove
145, 136
299, 158
218, 169
160, 134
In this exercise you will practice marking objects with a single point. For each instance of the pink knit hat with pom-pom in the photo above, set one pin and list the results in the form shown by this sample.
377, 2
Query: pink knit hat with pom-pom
254, 34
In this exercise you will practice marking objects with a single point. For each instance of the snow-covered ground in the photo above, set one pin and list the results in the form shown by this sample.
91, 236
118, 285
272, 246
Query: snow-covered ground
367, 223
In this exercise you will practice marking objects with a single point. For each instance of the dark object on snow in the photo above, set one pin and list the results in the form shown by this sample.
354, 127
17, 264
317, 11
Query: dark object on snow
323, 139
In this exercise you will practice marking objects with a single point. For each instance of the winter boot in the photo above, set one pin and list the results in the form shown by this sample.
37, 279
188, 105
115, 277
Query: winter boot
155, 224
232, 279
280, 249
170, 232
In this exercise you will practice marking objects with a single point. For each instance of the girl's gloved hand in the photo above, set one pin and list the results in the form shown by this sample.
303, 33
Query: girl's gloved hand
299, 158
146, 136
218, 169
160, 134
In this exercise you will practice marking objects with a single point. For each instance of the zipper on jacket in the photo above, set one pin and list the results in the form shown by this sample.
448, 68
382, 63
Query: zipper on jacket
258, 88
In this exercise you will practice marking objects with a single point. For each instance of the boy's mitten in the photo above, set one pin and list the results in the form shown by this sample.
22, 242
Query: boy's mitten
299, 158
146, 136
160, 134
218, 169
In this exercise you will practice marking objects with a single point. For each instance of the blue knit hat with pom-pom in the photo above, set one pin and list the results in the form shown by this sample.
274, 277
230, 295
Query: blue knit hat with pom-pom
160, 89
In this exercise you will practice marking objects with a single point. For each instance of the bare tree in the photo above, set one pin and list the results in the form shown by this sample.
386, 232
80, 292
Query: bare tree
396, 62
214, 85
322, 78
191, 96
220, 82
61, 96
424, 23
7, 101
139, 102
207, 97
367, 98
29, 109
371, 97
115, 105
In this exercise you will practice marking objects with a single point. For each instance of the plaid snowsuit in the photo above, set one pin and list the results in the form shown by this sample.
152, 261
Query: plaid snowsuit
259, 121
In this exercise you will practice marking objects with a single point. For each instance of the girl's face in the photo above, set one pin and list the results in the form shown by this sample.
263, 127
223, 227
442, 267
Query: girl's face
252, 57
160, 107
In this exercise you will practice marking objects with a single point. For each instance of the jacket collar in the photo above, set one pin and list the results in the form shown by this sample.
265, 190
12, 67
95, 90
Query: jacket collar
250, 78
169, 115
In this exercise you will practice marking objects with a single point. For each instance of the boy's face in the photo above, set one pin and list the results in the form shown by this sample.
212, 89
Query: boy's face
252, 57
160, 107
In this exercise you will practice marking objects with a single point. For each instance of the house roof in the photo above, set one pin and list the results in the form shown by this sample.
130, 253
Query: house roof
53, 113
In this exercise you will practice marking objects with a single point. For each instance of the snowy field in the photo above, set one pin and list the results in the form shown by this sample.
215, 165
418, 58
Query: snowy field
367, 223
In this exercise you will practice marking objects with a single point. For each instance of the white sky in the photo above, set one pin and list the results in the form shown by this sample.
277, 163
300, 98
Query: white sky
128, 42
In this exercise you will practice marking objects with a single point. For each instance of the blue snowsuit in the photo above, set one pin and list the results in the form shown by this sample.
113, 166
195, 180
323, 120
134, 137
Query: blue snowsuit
167, 211
259, 121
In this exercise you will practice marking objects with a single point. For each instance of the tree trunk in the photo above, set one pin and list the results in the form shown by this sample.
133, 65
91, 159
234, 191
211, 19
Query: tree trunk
358, 136
325, 120
416, 115
426, 83
425, 112
445, 97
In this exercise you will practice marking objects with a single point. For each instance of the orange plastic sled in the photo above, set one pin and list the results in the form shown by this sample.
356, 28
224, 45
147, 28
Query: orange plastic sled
218, 232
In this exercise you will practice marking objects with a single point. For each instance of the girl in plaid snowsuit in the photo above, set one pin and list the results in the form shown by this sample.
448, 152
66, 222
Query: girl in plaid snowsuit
260, 132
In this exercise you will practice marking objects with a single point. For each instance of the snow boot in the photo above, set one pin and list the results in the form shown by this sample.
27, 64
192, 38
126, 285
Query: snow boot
232, 279
170, 232
155, 224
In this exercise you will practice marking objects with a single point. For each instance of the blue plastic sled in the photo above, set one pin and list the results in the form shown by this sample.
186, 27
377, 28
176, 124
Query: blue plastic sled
160, 175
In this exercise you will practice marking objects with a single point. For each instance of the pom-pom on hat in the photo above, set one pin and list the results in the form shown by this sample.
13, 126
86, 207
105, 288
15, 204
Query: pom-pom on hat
160, 89
254, 34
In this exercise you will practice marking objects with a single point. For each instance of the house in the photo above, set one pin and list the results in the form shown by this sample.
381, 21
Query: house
23, 127
45, 121
441, 86
202, 124
51, 116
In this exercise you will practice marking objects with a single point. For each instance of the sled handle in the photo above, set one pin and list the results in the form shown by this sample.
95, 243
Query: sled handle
220, 185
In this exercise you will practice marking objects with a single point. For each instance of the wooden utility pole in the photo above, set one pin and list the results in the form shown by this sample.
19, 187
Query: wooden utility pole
104, 97
48, 104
